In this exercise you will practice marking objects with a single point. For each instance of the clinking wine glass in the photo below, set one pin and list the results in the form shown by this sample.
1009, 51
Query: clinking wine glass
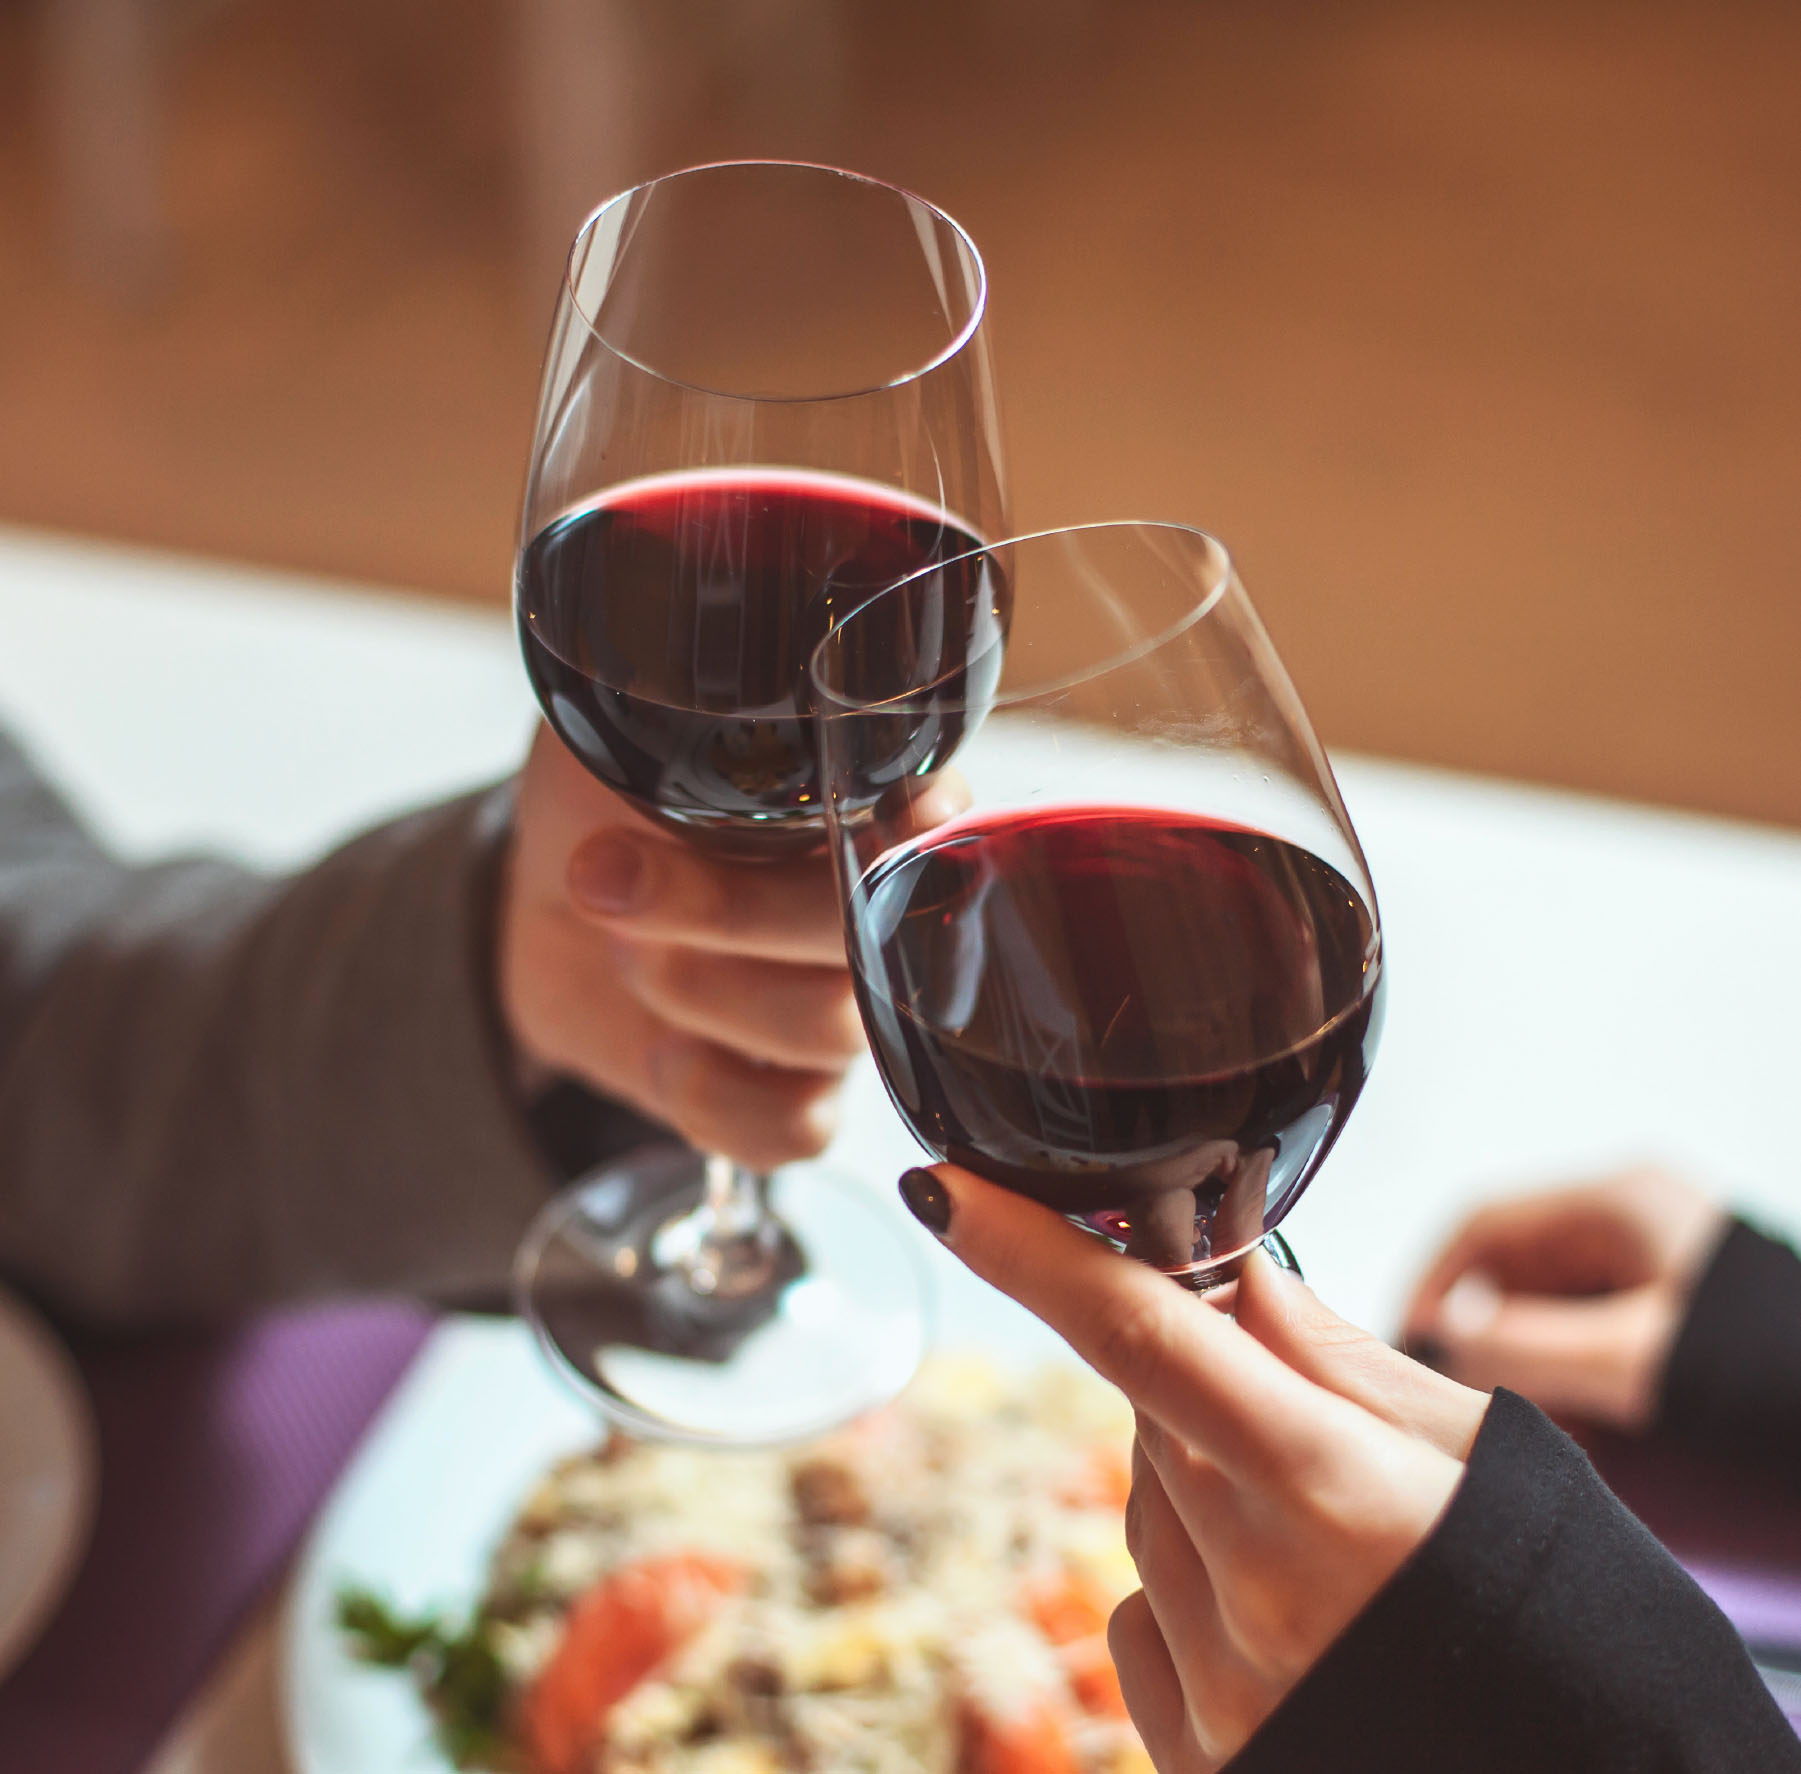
1140, 978
767, 396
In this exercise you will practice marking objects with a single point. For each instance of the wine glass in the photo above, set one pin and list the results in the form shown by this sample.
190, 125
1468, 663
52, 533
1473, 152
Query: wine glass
767, 396
1139, 979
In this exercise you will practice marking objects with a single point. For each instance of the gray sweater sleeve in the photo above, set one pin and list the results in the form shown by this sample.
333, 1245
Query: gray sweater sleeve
219, 1088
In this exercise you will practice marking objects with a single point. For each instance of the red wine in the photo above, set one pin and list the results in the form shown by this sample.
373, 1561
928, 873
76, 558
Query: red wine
1146, 1019
667, 627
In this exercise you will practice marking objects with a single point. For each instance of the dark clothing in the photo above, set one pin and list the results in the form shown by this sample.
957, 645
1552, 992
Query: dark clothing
1540, 1626
219, 1088
1732, 1390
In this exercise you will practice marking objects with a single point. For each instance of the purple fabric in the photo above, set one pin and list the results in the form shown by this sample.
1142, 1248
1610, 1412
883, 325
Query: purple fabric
215, 1450
1764, 1605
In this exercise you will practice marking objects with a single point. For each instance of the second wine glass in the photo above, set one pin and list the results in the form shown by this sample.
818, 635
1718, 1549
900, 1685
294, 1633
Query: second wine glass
1139, 979
767, 396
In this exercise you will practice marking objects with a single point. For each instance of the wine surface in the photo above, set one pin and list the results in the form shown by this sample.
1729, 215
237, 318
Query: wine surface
1143, 1018
667, 627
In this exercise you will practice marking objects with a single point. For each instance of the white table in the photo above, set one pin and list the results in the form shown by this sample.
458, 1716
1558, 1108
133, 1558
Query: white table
1574, 983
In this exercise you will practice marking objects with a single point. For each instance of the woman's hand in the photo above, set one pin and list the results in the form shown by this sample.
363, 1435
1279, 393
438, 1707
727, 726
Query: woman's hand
1286, 1463
1573, 1297
710, 995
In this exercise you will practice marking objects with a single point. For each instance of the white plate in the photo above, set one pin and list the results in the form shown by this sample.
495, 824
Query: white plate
47, 1472
435, 1486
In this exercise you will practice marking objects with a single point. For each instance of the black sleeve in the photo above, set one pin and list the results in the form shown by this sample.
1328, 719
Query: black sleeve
1732, 1389
575, 1129
1539, 1627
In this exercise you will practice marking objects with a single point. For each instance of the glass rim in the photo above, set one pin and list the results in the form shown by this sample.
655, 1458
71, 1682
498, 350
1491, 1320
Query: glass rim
843, 707
965, 333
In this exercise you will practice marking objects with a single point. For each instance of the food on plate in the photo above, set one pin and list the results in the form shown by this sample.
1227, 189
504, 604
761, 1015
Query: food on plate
924, 1592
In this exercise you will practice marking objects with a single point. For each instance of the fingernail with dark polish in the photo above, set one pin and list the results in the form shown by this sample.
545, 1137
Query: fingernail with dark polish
607, 875
1428, 1351
927, 1200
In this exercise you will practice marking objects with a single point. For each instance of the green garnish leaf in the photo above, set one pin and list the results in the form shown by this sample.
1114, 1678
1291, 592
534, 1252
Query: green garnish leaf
469, 1695
380, 1634
459, 1673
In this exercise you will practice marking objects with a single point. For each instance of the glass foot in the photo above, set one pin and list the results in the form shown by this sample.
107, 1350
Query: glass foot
834, 1326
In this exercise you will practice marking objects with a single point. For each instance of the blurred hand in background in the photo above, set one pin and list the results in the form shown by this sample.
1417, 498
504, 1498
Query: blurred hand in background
1572, 1297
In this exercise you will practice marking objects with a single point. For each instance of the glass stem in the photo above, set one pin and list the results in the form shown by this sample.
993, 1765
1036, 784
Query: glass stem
1280, 1254
734, 1196
1207, 1281
728, 1247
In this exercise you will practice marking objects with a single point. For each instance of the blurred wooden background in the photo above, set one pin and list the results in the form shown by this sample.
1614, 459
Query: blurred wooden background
1475, 329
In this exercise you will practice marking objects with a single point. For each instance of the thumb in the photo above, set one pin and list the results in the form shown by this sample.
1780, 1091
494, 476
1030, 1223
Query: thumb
1285, 1315
1598, 1358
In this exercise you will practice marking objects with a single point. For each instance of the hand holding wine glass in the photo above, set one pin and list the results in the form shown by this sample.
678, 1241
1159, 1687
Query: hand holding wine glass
710, 997
1286, 1462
